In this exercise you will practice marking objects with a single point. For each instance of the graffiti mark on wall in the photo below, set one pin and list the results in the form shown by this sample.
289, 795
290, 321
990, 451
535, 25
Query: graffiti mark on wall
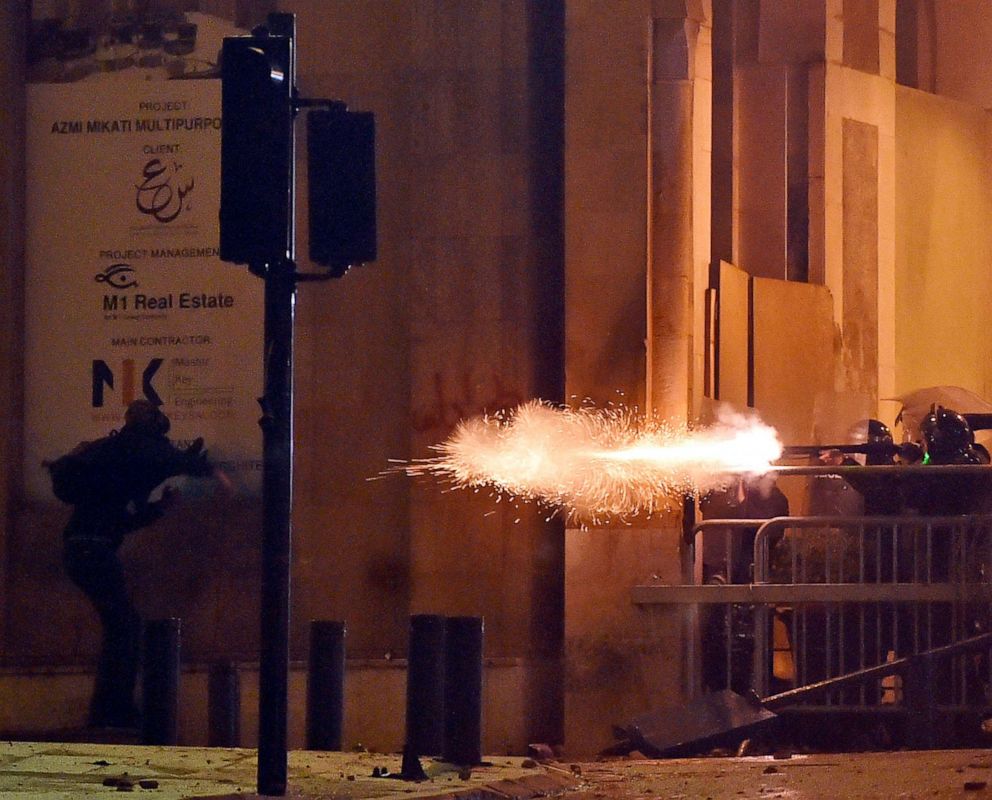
460, 397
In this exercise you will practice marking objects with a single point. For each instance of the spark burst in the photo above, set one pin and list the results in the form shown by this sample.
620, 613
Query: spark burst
596, 464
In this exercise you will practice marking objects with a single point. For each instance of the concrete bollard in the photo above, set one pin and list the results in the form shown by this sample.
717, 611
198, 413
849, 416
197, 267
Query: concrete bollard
160, 685
325, 685
425, 685
463, 690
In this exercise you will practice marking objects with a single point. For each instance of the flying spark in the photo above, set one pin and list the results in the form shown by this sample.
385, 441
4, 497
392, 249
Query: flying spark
596, 464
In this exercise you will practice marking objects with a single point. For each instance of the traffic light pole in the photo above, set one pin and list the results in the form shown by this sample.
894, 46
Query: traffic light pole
257, 227
277, 506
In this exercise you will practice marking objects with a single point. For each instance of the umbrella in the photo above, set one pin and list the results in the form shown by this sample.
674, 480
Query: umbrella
916, 405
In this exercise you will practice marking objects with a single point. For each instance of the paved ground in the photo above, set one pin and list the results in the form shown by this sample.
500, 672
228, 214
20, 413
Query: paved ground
72, 771
35, 771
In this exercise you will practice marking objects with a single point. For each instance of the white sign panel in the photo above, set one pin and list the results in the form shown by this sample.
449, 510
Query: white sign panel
125, 294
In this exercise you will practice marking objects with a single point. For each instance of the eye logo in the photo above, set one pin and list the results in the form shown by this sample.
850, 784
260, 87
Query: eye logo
119, 276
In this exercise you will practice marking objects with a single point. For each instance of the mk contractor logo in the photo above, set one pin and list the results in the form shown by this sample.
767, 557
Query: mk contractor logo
125, 381
163, 193
118, 276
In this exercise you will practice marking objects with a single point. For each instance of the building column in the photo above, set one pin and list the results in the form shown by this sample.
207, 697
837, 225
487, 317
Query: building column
13, 35
632, 251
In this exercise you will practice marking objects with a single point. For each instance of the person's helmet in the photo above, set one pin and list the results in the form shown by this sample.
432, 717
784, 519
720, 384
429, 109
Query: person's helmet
145, 416
879, 434
947, 436
878, 431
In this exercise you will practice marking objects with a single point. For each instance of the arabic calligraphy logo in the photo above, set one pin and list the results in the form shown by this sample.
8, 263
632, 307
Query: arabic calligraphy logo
161, 194
119, 276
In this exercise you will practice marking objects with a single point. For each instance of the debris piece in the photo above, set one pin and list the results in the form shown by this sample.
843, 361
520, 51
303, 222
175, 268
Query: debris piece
542, 752
111, 781
351, 777
528, 763
771, 769
148, 783
708, 721
974, 786
576, 768
102, 763
782, 755
464, 773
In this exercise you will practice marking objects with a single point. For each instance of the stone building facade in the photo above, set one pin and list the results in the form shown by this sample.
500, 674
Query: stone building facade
673, 202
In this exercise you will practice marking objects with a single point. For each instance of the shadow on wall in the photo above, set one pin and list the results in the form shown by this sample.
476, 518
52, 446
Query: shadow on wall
201, 564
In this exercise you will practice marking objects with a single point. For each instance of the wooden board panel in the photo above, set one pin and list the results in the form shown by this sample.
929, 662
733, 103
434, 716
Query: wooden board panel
793, 336
733, 336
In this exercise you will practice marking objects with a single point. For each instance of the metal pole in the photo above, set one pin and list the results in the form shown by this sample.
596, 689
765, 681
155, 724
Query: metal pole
425, 686
277, 474
223, 705
277, 498
161, 683
325, 685
463, 690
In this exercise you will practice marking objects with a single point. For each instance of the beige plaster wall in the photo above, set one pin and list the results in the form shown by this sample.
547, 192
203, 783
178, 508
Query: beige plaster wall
963, 62
837, 94
944, 243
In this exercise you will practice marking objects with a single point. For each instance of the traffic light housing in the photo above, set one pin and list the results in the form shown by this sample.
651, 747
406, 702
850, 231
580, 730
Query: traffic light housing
257, 153
341, 179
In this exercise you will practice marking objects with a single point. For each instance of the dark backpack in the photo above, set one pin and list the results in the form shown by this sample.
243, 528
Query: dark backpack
86, 472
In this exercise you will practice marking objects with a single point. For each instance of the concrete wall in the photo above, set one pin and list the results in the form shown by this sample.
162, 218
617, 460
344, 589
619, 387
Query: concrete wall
944, 245
374, 701
13, 18
535, 223
637, 250
461, 314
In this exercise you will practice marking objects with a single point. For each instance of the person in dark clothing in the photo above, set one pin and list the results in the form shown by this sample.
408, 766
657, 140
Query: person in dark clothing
728, 558
131, 463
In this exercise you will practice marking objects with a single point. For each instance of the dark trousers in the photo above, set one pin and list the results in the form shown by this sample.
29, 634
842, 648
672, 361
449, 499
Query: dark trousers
93, 566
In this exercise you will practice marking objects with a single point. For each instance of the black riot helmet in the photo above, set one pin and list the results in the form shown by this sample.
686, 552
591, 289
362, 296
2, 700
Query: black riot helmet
879, 434
947, 437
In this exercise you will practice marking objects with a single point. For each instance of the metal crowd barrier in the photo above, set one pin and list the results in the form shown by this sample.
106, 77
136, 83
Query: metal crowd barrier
837, 595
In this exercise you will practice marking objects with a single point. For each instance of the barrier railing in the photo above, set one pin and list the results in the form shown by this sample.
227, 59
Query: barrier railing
833, 596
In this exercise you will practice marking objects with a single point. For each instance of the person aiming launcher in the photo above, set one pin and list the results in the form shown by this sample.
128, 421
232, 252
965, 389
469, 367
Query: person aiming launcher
109, 483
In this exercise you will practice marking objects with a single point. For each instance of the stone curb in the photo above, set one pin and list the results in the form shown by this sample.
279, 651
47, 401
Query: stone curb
547, 785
